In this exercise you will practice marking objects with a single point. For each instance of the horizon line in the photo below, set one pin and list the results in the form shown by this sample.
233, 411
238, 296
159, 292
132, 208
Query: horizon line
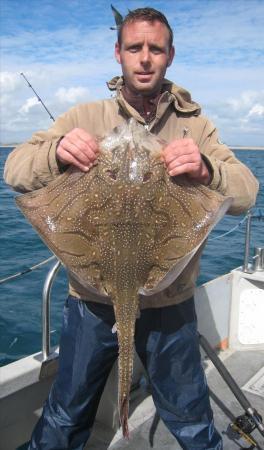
232, 147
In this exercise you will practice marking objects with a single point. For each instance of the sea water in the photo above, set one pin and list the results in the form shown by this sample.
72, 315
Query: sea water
21, 248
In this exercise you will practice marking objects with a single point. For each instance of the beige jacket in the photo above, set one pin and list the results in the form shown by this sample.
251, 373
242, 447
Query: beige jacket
33, 164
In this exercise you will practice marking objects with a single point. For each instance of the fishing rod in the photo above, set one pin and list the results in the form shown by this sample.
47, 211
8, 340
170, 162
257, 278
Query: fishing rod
244, 424
251, 420
38, 97
118, 20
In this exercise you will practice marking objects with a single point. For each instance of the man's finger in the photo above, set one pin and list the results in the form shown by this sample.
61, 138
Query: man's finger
68, 148
184, 159
187, 168
86, 139
174, 151
79, 149
69, 158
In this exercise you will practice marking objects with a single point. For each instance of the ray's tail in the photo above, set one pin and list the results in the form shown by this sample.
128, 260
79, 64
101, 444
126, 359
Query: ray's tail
126, 315
125, 368
123, 412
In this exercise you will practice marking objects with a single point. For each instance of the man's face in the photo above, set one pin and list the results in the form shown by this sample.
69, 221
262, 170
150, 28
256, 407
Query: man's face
144, 55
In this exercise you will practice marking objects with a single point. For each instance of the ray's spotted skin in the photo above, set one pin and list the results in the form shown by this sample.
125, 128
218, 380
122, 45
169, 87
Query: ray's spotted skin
123, 228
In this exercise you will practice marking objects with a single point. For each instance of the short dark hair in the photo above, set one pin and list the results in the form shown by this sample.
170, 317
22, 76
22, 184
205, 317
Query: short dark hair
147, 14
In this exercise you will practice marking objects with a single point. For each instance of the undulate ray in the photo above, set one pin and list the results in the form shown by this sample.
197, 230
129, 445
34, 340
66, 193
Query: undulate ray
125, 227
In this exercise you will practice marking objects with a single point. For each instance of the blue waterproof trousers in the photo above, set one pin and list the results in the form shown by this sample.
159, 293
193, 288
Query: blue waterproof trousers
167, 343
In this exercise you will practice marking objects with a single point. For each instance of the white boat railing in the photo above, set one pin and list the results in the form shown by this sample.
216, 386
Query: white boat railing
46, 309
247, 242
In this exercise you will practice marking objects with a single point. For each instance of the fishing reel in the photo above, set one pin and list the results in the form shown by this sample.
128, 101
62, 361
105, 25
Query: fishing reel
243, 426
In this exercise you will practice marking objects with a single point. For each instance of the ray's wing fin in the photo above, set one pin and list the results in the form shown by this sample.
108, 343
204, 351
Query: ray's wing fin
64, 214
192, 211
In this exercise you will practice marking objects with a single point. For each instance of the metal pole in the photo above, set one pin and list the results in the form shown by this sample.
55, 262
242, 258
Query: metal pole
247, 242
46, 309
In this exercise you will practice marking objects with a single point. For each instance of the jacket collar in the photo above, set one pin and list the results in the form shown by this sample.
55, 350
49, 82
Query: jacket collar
172, 93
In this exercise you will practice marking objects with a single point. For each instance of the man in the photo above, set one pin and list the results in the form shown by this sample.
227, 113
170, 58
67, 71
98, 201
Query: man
166, 334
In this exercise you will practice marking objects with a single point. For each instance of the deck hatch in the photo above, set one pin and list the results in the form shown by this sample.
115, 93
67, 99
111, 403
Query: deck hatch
256, 384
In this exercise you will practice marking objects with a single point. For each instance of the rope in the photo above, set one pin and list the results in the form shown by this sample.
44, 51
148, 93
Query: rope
29, 269
230, 231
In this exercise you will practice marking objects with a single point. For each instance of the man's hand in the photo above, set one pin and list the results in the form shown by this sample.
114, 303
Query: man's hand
183, 156
78, 148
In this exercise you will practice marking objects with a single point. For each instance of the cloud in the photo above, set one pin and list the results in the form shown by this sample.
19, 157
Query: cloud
24, 114
66, 51
72, 95
256, 110
220, 33
245, 101
30, 103
240, 119
9, 82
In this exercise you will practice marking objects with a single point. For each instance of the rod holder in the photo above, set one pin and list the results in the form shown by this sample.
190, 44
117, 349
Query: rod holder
258, 259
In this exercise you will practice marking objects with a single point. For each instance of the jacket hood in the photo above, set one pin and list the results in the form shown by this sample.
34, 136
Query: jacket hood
182, 98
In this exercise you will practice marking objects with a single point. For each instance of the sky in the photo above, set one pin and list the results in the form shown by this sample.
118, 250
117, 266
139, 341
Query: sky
66, 50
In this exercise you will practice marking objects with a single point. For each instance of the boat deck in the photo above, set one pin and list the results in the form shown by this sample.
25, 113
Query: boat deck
242, 365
